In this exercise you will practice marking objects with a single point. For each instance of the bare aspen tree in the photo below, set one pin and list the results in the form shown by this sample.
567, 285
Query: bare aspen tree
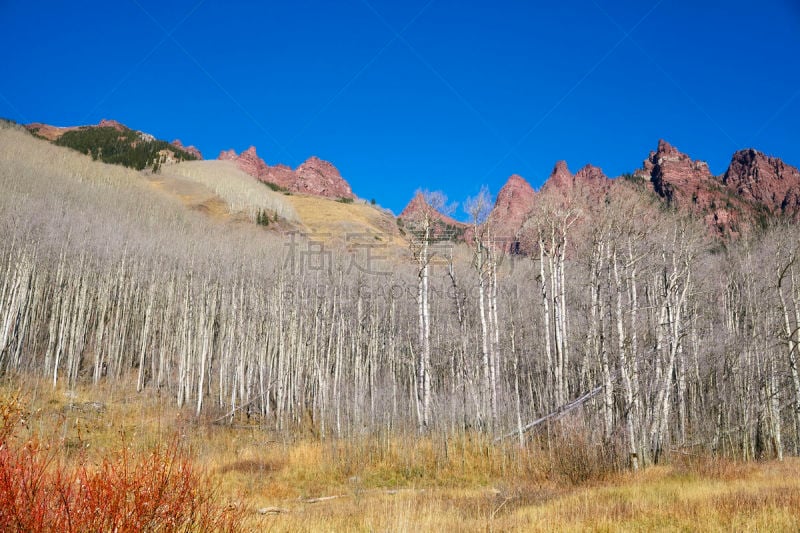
622, 347
478, 209
787, 282
549, 231
423, 226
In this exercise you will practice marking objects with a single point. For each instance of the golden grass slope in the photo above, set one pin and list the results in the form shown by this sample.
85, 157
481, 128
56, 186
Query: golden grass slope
324, 219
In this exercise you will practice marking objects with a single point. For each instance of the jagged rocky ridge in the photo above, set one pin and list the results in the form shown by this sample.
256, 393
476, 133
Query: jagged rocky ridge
755, 189
314, 176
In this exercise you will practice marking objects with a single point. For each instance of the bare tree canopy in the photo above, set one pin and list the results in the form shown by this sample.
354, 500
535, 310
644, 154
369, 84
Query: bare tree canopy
621, 316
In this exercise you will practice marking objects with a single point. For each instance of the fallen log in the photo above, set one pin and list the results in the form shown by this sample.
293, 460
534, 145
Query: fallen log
559, 412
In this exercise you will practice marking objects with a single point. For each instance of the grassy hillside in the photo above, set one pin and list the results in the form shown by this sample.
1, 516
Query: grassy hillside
328, 218
240, 191
69, 202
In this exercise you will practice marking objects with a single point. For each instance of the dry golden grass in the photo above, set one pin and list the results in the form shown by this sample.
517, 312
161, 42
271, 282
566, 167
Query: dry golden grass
408, 483
326, 217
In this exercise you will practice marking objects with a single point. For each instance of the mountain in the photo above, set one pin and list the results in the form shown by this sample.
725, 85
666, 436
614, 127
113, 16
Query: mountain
517, 199
314, 176
589, 182
190, 149
514, 201
53, 133
765, 181
419, 205
754, 188
112, 142
688, 185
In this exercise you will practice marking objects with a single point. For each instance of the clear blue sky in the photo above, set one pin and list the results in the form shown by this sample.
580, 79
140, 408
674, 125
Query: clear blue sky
438, 94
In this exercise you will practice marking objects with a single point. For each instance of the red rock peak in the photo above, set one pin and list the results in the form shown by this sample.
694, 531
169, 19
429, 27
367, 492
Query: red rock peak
314, 176
189, 149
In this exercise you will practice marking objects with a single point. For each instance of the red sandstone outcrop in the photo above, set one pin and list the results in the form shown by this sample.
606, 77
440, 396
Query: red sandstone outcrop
766, 181
417, 208
227, 155
188, 149
588, 180
589, 184
514, 201
560, 177
689, 185
319, 177
105, 123
592, 176
281, 175
676, 177
248, 161
314, 176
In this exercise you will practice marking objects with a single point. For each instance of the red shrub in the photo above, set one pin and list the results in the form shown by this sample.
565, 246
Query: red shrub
158, 491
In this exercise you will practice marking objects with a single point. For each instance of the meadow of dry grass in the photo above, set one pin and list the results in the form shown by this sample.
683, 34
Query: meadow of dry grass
326, 217
405, 483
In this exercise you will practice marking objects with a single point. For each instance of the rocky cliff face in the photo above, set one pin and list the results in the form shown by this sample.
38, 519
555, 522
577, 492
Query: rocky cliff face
443, 225
754, 188
248, 161
592, 176
590, 180
732, 203
314, 176
676, 177
188, 149
319, 177
689, 185
765, 181
514, 201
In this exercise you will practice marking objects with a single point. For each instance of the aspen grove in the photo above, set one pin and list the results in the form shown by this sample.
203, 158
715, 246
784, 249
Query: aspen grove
622, 317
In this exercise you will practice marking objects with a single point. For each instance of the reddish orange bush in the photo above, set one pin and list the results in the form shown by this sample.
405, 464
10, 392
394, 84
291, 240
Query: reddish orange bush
157, 491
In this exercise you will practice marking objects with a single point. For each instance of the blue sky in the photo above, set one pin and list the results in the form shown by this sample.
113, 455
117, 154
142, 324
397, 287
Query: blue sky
435, 94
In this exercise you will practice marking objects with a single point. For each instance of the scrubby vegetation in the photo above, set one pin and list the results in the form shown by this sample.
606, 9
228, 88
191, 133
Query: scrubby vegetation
41, 489
274, 186
263, 218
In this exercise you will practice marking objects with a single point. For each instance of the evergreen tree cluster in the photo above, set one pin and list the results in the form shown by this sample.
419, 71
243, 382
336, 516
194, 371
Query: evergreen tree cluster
274, 186
263, 217
125, 147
